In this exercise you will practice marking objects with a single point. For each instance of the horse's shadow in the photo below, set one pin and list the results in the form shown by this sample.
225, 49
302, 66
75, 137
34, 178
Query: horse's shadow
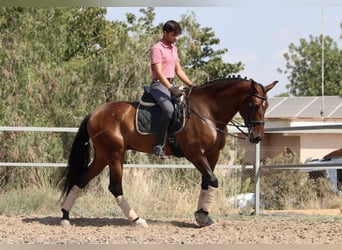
103, 222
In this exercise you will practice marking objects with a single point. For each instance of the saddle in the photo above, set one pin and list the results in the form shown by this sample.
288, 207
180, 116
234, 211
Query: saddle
147, 118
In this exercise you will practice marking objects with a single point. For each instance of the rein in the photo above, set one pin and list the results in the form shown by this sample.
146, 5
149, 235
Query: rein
190, 111
249, 124
235, 124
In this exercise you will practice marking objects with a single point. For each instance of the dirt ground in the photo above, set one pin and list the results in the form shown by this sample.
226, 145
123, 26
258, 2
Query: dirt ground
272, 227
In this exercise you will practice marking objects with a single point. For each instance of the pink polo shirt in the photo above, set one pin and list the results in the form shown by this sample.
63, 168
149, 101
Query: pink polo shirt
166, 55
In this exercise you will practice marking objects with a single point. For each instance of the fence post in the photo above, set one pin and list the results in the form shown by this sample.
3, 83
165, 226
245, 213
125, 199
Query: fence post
257, 179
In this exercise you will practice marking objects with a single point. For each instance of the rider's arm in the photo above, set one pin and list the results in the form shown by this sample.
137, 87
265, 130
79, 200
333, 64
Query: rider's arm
181, 75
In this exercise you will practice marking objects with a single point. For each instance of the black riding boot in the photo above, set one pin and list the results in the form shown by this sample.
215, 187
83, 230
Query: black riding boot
164, 122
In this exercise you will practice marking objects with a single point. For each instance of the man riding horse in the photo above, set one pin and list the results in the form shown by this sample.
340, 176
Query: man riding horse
111, 128
164, 64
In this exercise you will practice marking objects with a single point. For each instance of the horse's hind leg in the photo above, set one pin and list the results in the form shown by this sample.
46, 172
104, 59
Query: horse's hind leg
115, 187
93, 170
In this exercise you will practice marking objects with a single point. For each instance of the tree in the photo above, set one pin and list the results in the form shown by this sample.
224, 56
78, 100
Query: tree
201, 60
58, 64
304, 67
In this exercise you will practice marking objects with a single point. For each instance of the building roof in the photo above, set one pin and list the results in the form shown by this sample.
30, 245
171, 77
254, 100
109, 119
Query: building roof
303, 113
305, 107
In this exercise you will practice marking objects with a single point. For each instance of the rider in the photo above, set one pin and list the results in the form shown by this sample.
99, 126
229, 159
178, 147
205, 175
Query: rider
164, 65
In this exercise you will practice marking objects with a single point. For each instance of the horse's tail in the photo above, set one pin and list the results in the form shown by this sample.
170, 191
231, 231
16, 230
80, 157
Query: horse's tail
79, 157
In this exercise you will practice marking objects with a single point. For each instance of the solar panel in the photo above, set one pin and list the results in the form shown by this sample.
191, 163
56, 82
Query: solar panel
304, 107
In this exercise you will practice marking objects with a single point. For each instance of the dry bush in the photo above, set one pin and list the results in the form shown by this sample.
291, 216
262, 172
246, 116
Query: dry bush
151, 192
295, 189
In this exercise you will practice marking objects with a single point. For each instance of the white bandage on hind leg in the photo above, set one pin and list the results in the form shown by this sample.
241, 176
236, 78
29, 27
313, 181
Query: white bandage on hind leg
74, 193
206, 198
126, 209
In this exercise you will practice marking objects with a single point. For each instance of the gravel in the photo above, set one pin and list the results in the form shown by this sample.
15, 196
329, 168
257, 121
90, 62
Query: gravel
41, 229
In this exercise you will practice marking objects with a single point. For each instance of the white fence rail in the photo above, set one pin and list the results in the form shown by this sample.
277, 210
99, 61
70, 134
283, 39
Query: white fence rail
39, 129
57, 165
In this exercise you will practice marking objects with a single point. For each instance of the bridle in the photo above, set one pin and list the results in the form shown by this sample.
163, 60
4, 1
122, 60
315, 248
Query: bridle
249, 122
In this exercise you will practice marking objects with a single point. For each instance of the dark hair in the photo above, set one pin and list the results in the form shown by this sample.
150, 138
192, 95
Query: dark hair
172, 26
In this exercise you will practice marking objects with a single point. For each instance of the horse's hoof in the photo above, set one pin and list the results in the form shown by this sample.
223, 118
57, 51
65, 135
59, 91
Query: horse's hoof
65, 223
141, 223
203, 219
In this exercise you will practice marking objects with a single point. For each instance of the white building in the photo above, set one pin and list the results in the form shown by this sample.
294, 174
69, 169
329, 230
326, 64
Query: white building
285, 114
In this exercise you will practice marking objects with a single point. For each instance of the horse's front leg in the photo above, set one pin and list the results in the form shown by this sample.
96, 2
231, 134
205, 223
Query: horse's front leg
208, 187
205, 200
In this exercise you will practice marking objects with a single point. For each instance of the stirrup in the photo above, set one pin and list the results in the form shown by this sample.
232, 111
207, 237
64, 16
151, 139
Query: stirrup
158, 150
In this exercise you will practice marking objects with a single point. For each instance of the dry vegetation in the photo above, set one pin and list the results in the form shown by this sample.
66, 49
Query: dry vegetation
169, 192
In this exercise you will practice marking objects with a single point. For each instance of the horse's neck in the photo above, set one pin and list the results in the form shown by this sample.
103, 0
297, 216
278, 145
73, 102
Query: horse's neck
221, 103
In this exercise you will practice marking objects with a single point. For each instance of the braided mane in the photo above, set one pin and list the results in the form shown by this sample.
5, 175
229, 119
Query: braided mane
230, 78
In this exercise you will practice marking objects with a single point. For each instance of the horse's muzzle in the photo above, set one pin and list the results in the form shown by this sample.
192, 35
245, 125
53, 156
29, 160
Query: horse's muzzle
255, 139
255, 135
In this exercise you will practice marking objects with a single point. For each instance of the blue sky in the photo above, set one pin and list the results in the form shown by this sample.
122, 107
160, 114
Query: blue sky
258, 33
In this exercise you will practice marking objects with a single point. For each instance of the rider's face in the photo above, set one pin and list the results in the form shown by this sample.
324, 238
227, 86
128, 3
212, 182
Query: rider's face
170, 37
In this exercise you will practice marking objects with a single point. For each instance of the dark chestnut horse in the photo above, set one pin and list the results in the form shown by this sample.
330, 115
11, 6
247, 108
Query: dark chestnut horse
112, 130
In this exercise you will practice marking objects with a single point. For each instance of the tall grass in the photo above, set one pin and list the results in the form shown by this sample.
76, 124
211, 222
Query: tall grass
160, 192
151, 192
29, 200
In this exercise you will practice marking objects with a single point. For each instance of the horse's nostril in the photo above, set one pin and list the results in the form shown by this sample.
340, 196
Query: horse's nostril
255, 139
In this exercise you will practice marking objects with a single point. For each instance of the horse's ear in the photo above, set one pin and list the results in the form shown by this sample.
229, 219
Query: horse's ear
270, 86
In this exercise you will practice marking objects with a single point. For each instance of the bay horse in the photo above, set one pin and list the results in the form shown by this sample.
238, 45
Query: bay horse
112, 130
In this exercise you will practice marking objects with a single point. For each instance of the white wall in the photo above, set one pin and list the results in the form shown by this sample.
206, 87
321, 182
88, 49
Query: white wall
318, 145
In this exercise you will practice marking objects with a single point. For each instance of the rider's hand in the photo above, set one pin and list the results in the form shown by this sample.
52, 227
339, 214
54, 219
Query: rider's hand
176, 91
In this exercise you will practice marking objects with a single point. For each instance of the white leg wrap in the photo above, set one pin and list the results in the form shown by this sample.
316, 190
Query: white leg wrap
71, 198
201, 198
127, 210
206, 198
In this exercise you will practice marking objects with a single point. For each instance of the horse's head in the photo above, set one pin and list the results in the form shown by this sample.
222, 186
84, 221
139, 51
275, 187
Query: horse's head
253, 110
